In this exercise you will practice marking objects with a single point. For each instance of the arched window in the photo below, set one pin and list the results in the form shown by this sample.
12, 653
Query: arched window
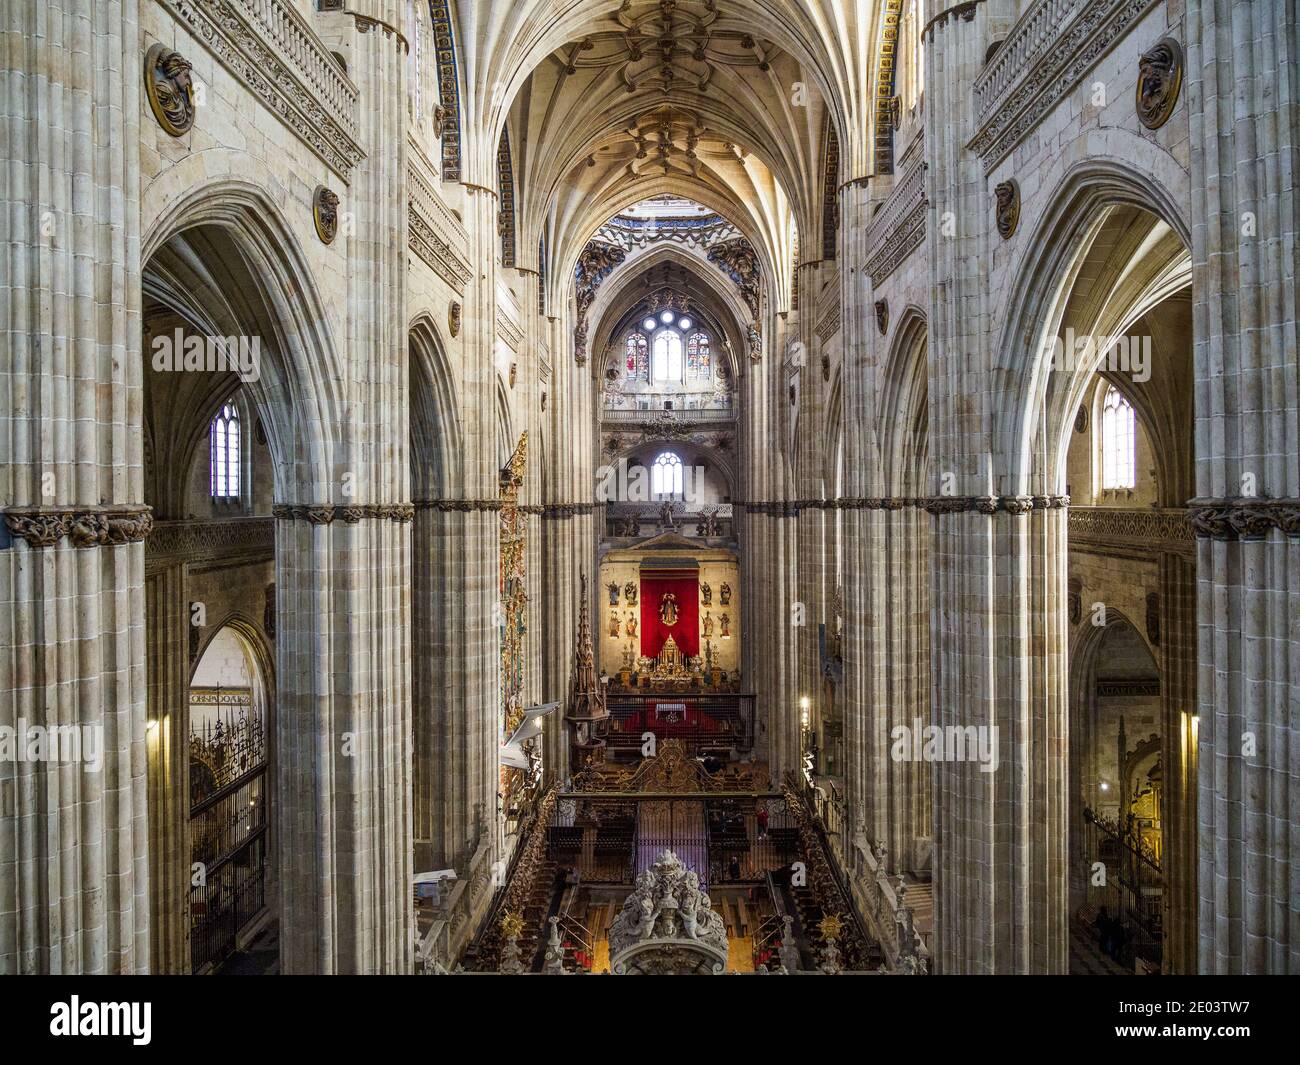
666, 475
638, 362
1118, 441
697, 355
224, 435
668, 356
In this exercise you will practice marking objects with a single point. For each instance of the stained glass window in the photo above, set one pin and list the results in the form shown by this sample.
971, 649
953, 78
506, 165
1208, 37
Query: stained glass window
638, 362
697, 355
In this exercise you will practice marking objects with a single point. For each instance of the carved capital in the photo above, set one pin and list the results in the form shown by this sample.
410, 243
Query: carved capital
83, 526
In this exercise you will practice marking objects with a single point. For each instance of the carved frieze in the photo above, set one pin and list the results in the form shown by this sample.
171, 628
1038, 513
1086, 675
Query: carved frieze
82, 526
269, 47
1040, 63
596, 263
1246, 518
351, 513
423, 239
736, 259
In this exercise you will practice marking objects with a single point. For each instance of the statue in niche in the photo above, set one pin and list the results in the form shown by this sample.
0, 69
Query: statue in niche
668, 609
708, 625
613, 624
613, 593
725, 622
629, 593
725, 593
631, 624
706, 593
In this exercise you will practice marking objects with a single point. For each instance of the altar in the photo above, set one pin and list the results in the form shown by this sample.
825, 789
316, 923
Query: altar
672, 617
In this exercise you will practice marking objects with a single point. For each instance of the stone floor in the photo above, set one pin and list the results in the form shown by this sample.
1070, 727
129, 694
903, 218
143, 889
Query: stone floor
1086, 958
260, 958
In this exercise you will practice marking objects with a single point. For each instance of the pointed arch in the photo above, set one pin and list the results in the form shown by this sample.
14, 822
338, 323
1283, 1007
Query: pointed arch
224, 258
436, 440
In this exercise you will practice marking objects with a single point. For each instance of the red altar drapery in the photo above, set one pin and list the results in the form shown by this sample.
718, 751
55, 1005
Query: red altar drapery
686, 632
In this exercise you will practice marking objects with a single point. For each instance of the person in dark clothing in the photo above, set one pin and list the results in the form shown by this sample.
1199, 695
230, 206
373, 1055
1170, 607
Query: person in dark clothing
733, 868
1102, 925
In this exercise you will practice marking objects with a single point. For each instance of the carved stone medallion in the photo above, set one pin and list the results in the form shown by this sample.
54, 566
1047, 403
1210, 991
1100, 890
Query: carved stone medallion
169, 89
1008, 207
325, 213
1160, 77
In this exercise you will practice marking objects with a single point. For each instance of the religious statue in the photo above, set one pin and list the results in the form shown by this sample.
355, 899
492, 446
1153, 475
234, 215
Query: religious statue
613, 623
706, 593
629, 593
668, 609
708, 624
725, 622
631, 623
725, 593
613, 593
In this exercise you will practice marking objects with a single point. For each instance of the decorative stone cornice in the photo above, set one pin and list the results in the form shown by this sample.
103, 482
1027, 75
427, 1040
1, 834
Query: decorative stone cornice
829, 324
440, 256
269, 47
1245, 518
567, 510
473, 506
200, 541
458, 506
510, 333
100, 526
1047, 54
899, 229
1120, 527
931, 504
351, 513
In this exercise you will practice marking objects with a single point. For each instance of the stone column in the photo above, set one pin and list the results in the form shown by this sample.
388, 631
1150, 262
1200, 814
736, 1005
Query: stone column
999, 566
167, 746
809, 463
1178, 758
74, 891
343, 577
1244, 125
768, 557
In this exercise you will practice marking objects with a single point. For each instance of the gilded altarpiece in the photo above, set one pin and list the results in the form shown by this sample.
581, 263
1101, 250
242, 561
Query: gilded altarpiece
513, 597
